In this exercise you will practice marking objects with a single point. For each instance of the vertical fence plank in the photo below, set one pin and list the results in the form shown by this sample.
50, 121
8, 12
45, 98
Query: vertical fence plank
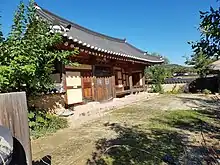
14, 115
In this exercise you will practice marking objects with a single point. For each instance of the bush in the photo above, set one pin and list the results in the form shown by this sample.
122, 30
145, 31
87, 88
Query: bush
177, 90
41, 122
206, 91
157, 88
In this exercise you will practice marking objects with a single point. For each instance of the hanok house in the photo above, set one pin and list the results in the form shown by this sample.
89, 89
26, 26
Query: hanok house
109, 67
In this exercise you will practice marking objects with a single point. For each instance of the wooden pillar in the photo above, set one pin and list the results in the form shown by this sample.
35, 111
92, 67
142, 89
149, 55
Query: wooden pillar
113, 83
63, 81
130, 80
14, 116
144, 82
94, 84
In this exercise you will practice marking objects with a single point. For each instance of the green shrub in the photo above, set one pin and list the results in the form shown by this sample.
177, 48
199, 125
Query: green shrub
206, 91
177, 90
157, 88
41, 122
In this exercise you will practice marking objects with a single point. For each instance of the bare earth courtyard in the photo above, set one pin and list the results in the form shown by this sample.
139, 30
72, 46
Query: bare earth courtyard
184, 126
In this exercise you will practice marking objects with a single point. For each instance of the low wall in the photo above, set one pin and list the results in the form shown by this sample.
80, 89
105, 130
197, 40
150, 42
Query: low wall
51, 102
170, 87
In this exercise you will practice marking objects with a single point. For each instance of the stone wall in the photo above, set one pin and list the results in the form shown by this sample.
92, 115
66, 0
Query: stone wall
51, 102
170, 87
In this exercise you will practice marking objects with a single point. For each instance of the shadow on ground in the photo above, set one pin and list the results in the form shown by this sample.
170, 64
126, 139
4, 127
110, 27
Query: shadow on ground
46, 160
204, 109
167, 141
208, 104
191, 122
133, 146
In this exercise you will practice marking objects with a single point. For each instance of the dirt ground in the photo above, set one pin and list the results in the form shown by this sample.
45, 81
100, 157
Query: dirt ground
139, 134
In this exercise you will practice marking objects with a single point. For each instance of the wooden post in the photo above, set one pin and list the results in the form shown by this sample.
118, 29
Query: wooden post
130, 80
14, 116
113, 82
94, 83
144, 81
63, 81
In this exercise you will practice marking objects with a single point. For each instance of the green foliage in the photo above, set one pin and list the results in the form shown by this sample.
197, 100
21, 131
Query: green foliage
28, 55
41, 122
157, 74
157, 88
177, 89
207, 49
174, 68
200, 62
206, 92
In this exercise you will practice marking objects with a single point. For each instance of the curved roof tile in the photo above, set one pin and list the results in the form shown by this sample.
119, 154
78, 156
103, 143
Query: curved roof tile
95, 39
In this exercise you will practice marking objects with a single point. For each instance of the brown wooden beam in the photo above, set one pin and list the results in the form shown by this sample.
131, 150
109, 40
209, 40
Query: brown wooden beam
130, 80
94, 84
143, 81
113, 83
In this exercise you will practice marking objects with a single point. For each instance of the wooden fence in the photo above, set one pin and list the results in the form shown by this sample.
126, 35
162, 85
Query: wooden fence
14, 115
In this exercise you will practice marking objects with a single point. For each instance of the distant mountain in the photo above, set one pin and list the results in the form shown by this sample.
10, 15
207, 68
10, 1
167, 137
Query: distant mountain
176, 65
176, 68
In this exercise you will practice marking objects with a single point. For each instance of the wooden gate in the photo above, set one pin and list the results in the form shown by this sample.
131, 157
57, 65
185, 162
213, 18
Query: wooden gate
87, 84
103, 84
103, 88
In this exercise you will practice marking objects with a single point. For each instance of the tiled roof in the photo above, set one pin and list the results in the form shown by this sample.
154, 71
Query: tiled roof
95, 40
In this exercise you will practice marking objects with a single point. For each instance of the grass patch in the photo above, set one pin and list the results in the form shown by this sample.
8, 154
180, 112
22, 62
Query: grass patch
42, 123
134, 145
190, 120
152, 139
55, 124
127, 110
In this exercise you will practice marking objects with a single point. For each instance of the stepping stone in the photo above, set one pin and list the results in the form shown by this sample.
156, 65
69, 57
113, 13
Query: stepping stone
66, 113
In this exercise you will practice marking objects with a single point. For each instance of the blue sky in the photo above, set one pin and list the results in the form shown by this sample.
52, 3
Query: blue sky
162, 26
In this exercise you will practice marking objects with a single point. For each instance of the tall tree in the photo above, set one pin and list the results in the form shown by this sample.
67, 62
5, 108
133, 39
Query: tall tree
200, 62
29, 53
207, 49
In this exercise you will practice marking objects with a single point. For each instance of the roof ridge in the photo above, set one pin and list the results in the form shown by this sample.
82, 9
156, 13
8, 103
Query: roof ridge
87, 30
135, 47
141, 51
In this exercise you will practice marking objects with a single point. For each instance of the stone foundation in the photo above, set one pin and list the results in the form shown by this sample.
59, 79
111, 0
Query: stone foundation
53, 103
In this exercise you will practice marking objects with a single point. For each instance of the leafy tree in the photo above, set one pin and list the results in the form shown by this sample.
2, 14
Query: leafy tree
207, 49
28, 55
200, 62
157, 75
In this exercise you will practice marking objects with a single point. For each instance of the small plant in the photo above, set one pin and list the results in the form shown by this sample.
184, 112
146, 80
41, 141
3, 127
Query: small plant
41, 122
157, 88
206, 92
177, 90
